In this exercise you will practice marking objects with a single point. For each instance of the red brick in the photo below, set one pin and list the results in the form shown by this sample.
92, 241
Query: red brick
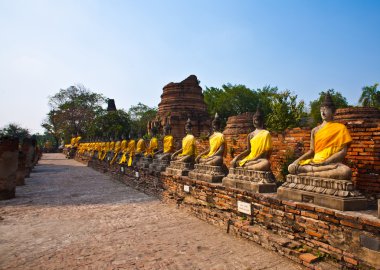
314, 233
308, 257
291, 210
351, 224
325, 210
350, 260
345, 216
290, 203
305, 206
309, 214
329, 218
319, 243
370, 221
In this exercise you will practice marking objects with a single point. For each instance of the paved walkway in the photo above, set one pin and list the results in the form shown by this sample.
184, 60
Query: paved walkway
68, 216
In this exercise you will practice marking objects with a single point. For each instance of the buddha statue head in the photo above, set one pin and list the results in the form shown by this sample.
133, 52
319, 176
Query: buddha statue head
154, 130
188, 126
216, 123
258, 118
327, 108
167, 129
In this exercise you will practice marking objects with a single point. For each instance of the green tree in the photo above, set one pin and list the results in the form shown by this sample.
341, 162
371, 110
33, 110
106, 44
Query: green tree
110, 124
73, 111
14, 130
139, 115
370, 96
230, 100
285, 111
315, 105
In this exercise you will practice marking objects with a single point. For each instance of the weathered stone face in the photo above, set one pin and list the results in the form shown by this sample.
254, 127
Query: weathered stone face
8, 167
180, 101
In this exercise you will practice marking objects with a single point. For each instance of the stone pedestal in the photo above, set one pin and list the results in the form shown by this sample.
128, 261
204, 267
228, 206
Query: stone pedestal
255, 181
207, 173
179, 168
144, 162
331, 193
158, 166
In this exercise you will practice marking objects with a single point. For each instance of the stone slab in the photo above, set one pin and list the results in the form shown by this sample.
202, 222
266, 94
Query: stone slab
329, 201
206, 177
250, 186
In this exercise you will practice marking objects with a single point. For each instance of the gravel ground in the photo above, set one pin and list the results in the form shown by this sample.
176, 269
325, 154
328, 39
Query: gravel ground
68, 216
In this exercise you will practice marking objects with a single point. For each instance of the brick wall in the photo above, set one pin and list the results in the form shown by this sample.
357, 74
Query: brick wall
317, 237
300, 231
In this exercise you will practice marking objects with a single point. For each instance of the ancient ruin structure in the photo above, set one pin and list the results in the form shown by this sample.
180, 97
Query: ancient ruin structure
111, 107
179, 101
8, 167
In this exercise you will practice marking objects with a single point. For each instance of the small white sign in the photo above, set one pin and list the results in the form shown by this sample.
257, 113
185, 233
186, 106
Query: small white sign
122, 169
137, 174
244, 207
186, 188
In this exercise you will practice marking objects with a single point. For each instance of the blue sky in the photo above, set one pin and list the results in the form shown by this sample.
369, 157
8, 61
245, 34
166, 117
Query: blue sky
128, 50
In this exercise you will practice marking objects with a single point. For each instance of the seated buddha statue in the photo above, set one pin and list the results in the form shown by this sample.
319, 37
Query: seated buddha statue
187, 152
168, 145
259, 147
153, 144
213, 156
140, 147
328, 147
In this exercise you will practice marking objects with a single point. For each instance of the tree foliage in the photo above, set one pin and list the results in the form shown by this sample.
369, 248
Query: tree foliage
73, 111
370, 96
110, 125
339, 100
139, 115
14, 130
285, 111
280, 108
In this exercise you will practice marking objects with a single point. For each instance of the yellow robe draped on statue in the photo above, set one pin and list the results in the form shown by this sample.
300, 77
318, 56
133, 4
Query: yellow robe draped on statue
72, 141
216, 141
123, 146
117, 149
260, 143
168, 144
140, 147
329, 140
153, 145
76, 142
129, 150
188, 146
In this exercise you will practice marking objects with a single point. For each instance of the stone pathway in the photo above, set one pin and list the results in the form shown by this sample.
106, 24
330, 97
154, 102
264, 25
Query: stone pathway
68, 216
